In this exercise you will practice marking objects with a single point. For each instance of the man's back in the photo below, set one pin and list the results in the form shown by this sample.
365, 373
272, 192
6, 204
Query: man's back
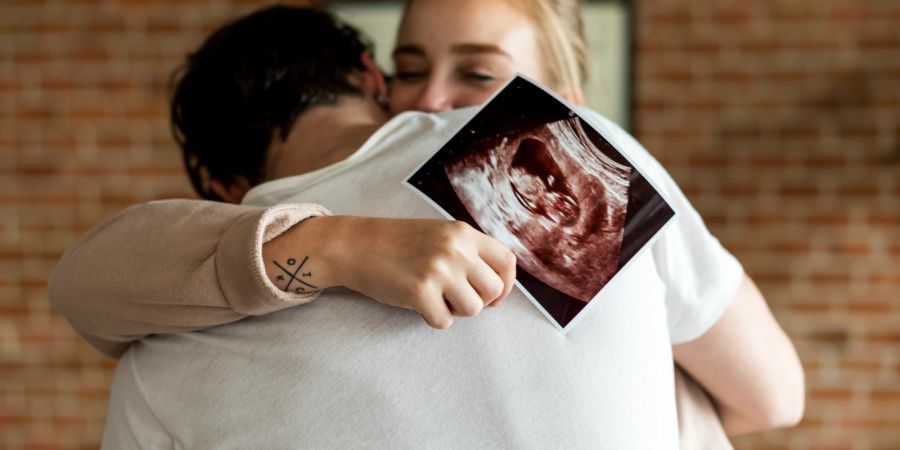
345, 371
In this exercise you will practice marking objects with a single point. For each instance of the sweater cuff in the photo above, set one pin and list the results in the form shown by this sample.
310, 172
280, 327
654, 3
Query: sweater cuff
239, 263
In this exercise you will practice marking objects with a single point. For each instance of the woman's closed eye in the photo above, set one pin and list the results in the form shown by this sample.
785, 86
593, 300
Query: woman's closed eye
410, 75
479, 77
483, 71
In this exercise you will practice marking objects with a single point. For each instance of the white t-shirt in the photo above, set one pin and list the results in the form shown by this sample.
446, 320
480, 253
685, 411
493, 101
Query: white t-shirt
348, 372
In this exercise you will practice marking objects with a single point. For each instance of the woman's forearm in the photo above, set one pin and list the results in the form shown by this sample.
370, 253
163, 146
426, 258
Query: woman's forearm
748, 365
183, 265
171, 266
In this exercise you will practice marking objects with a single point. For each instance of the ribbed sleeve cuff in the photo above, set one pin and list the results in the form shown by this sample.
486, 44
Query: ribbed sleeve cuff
239, 263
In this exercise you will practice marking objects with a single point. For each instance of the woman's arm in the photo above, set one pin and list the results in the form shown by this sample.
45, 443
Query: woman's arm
729, 342
170, 266
438, 268
182, 265
748, 365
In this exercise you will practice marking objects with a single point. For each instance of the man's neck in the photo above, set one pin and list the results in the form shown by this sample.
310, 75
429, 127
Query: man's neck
324, 135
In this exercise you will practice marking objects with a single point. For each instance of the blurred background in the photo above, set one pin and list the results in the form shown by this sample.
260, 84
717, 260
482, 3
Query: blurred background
779, 118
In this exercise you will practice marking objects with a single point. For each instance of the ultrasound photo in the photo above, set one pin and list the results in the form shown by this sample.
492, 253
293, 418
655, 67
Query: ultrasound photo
530, 172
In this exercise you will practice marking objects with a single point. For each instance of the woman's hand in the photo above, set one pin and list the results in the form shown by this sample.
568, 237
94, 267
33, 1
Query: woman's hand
438, 268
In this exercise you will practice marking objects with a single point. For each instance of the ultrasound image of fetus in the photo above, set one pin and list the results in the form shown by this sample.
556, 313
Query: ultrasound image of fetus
540, 186
553, 197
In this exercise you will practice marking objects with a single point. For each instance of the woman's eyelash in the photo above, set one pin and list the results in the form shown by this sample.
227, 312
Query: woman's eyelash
480, 76
408, 75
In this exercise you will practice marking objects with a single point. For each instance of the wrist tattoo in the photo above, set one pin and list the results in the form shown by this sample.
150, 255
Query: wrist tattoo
294, 283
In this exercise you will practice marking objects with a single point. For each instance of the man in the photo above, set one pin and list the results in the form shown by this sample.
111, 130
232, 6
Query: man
345, 371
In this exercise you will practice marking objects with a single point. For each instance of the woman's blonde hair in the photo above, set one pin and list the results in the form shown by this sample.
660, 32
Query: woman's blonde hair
561, 42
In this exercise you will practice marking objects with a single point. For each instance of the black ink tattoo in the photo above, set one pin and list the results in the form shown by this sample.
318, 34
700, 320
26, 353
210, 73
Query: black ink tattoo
293, 275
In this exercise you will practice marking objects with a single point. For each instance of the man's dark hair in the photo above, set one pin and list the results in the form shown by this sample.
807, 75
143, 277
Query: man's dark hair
250, 81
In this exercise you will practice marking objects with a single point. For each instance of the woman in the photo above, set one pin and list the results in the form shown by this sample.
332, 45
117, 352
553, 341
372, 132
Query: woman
480, 45
472, 56
463, 62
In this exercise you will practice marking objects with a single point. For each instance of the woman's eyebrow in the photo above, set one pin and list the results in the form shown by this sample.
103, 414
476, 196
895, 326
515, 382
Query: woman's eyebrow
462, 49
409, 49
468, 49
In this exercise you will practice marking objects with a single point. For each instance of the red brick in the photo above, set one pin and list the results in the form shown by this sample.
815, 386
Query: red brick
890, 396
794, 131
860, 365
833, 393
677, 17
163, 25
871, 424
709, 160
101, 26
773, 278
762, 46
783, 247
829, 336
869, 308
809, 307
732, 17
818, 161
699, 49
851, 248
859, 190
823, 217
883, 218
886, 337
741, 189
798, 190
850, 14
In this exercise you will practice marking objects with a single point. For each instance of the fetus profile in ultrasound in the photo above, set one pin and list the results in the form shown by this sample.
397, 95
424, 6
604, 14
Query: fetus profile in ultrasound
553, 198
530, 172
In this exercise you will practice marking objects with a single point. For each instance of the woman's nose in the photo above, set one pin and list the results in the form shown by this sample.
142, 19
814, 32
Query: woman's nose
434, 97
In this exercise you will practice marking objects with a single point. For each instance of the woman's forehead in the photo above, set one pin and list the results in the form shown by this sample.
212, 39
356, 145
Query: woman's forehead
436, 23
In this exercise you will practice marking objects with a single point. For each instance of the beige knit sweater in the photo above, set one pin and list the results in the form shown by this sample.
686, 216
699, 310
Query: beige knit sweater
171, 266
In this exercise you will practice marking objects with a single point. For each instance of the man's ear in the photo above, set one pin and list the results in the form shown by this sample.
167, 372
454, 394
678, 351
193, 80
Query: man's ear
232, 192
373, 80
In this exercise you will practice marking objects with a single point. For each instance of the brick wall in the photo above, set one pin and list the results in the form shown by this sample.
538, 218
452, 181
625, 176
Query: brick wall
779, 118
83, 133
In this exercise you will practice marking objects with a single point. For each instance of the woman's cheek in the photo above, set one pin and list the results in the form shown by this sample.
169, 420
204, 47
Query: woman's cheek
405, 97
400, 99
472, 96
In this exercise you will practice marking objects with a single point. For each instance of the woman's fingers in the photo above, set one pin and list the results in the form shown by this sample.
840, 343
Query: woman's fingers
437, 268
463, 300
464, 292
486, 282
436, 312
502, 261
